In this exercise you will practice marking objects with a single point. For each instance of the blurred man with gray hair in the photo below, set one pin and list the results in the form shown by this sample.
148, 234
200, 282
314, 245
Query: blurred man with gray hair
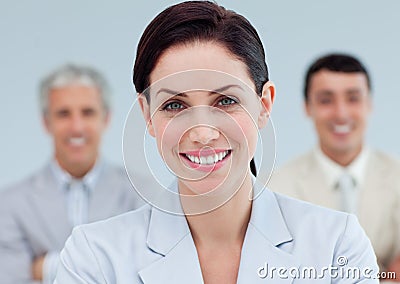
77, 186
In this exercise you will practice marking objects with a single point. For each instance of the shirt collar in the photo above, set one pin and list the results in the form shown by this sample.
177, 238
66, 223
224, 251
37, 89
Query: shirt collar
63, 177
333, 170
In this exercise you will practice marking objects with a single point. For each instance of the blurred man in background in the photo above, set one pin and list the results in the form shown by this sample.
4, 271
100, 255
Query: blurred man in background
77, 186
342, 172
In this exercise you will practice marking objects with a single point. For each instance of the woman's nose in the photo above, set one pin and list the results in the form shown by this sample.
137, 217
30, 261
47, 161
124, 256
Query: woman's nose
203, 134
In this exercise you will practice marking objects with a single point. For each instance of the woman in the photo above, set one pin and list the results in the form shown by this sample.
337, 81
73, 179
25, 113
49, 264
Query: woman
204, 90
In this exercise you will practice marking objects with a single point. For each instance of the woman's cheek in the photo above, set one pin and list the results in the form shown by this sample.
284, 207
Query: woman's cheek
249, 133
168, 135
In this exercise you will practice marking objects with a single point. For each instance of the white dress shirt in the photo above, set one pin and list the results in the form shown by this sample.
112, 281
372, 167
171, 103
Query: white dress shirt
77, 196
334, 173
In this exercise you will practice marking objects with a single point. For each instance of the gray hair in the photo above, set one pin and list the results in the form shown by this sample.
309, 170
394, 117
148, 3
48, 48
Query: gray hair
71, 74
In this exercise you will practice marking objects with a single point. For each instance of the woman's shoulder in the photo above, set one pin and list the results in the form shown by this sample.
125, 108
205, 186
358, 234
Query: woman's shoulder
296, 206
124, 225
310, 222
301, 212
303, 221
108, 250
314, 235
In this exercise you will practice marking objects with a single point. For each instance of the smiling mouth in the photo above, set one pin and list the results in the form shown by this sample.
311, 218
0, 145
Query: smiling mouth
342, 129
207, 159
77, 141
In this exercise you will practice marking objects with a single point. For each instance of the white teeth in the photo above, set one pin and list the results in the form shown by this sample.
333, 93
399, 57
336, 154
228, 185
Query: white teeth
207, 160
77, 141
342, 129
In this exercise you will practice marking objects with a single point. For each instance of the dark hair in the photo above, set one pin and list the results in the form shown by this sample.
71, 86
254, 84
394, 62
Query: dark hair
193, 21
337, 63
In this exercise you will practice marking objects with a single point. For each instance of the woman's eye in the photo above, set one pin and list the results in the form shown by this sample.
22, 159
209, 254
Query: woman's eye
227, 101
173, 106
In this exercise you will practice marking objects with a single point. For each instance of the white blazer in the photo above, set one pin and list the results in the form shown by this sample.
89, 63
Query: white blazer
152, 246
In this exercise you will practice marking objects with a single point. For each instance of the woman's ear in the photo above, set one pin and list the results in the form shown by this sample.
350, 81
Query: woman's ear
144, 105
267, 99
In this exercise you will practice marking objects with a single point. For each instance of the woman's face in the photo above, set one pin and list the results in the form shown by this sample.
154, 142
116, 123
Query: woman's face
205, 115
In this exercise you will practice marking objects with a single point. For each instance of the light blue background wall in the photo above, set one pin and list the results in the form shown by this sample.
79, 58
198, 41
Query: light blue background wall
38, 36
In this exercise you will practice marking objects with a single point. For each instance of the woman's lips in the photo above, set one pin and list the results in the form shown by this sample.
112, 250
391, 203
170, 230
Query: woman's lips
206, 160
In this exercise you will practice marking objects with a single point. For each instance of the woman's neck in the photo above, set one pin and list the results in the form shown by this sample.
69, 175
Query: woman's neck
227, 224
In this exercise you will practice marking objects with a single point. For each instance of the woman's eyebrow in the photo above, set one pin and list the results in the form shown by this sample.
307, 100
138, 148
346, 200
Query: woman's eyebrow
222, 89
183, 94
171, 92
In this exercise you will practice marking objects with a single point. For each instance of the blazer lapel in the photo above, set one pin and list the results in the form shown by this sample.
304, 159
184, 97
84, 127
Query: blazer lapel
266, 235
46, 196
169, 236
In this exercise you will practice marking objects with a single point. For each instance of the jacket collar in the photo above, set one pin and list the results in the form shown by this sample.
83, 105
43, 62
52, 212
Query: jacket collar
266, 235
169, 236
